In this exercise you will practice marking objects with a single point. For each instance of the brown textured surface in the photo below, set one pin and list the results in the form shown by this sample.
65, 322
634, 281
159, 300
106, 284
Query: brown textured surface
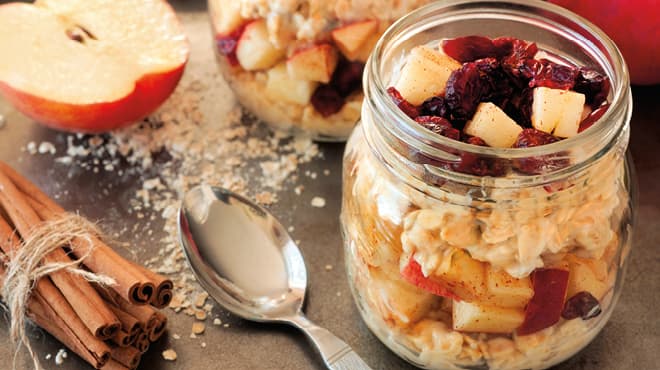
630, 340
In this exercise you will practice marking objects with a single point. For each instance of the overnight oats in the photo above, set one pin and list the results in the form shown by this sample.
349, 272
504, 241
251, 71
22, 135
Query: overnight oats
488, 202
297, 64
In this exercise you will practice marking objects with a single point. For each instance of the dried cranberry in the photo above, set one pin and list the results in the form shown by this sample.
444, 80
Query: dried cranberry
473, 164
593, 85
471, 48
593, 117
582, 305
514, 64
327, 100
519, 106
529, 138
347, 77
226, 45
435, 106
407, 108
547, 73
439, 125
497, 87
464, 91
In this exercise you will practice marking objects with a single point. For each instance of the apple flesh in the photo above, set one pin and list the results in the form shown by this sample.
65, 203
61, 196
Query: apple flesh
353, 37
315, 63
475, 317
115, 71
545, 307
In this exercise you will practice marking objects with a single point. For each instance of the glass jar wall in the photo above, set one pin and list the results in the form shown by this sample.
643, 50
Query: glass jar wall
446, 266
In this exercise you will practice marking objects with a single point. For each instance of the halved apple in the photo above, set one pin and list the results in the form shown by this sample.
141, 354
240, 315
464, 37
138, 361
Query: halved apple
545, 307
90, 65
254, 50
352, 38
315, 63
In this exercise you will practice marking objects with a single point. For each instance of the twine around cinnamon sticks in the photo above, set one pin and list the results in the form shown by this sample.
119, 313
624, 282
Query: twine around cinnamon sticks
107, 326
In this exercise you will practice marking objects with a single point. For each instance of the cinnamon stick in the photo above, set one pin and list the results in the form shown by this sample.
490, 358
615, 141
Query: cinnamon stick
84, 300
132, 283
114, 365
127, 356
159, 327
145, 314
163, 295
142, 342
62, 322
124, 339
129, 323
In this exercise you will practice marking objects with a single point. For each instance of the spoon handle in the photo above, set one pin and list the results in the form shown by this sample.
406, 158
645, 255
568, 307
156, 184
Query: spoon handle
336, 354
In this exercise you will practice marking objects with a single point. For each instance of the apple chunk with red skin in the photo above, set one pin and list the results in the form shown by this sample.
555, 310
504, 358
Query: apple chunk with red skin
116, 70
315, 63
545, 307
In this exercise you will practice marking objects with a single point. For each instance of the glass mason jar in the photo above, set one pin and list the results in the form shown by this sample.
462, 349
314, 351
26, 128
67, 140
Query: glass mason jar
323, 44
486, 245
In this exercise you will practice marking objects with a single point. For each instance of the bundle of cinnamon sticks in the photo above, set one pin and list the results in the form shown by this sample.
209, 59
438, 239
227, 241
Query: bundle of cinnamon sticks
108, 326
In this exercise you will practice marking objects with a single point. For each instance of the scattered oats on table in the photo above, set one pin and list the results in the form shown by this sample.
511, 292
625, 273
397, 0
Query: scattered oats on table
169, 355
200, 299
198, 328
318, 202
217, 322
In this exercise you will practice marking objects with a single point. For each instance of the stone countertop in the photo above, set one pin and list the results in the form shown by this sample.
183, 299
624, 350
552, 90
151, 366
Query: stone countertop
630, 340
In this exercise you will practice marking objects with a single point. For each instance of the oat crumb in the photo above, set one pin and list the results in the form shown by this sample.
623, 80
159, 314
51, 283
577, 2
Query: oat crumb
318, 202
60, 357
169, 355
203, 344
176, 336
226, 325
328, 267
200, 299
198, 328
48, 356
200, 315
291, 229
217, 322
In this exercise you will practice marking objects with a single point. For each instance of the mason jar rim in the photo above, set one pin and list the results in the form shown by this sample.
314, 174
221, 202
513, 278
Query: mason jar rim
396, 123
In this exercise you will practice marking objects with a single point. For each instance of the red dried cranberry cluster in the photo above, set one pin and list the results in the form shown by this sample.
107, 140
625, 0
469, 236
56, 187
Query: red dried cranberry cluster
503, 71
329, 98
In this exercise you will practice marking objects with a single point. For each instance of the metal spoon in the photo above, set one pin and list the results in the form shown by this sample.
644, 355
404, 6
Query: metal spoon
248, 263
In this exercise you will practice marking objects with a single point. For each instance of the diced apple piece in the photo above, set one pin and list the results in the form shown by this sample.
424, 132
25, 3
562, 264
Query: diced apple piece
462, 278
472, 317
557, 111
352, 38
425, 74
506, 291
365, 51
545, 307
405, 303
493, 125
587, 275
281, 86
254, 50
226, 16
316, 63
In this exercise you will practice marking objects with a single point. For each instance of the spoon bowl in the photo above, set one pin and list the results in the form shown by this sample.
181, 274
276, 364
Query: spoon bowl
249, 264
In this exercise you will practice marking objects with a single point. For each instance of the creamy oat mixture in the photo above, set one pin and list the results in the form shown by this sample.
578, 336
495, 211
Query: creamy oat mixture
396, 222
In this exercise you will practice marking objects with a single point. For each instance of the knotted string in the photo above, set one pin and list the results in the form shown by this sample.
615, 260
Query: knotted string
24, 268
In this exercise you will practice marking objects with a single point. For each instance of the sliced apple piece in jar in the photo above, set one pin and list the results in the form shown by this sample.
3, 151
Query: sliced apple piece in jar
353, 37
315, 63
474, 317
506, 291
587, 275
493, 126
254, 50
545, 307
281, 86
225, 15
459, 277
557, 111
425, 74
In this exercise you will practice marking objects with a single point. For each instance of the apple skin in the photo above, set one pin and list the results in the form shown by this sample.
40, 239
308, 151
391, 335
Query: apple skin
413, 274
633, 25
545, 307
149, 93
